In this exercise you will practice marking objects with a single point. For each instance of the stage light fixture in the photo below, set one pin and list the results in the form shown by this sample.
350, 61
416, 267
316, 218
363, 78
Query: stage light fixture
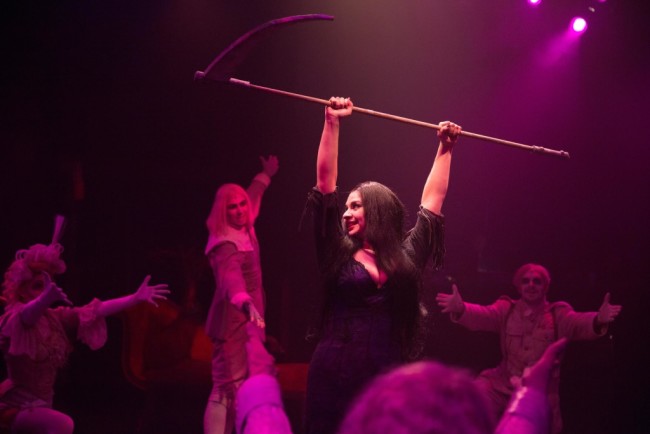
578, 25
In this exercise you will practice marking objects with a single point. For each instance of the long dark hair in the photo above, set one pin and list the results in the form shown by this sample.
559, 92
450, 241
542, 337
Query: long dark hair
385, 217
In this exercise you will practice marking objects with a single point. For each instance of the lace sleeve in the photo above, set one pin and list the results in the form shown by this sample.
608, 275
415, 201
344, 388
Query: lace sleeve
426, 239
327, 226
85, 322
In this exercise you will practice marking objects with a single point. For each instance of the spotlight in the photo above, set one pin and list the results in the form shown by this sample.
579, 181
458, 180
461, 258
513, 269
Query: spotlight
578, 25
534, 2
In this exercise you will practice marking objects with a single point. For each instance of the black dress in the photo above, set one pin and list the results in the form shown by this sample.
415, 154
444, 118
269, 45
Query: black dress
357, 339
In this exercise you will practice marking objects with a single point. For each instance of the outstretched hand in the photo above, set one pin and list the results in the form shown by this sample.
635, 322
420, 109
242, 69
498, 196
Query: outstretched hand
608, 312
270, 165
451, 303
151, 293
253, 315
52, 293
448, 133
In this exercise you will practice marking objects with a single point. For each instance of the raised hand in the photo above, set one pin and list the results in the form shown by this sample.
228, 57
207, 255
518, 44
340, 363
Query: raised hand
339, 107
270, 165
448, 132
43, 297
151, 293
451, 303
608, 312
52, 293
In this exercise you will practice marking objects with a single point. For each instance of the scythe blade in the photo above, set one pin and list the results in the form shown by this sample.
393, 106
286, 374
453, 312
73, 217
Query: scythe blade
225, 64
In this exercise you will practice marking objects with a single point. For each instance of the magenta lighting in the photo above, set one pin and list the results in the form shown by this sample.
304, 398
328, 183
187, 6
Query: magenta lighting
534, 2
578, 25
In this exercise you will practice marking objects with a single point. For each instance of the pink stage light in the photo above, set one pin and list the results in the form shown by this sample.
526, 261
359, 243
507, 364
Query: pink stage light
578, 24
534, 2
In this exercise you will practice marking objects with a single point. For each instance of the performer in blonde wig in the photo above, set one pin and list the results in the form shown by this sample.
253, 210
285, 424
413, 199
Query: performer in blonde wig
235, 322
36, 337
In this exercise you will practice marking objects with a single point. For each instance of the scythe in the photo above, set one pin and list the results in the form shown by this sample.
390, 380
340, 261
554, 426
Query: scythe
225, 64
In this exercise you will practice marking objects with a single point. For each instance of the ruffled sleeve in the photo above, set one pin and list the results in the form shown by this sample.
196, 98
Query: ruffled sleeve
92, 326
426, 239
327, 225
84, 323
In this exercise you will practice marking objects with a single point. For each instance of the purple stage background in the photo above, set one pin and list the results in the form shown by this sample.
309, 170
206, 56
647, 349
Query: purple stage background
103, 123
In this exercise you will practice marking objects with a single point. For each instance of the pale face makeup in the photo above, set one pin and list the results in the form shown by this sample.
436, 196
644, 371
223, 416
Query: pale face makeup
532, 288
237, 212
354, 220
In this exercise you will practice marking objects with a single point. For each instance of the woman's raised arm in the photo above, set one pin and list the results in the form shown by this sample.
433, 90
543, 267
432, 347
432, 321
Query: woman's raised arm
328, 150
435, 188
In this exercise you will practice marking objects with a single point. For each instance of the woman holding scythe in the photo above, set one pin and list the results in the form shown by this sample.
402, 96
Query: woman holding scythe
371, 273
